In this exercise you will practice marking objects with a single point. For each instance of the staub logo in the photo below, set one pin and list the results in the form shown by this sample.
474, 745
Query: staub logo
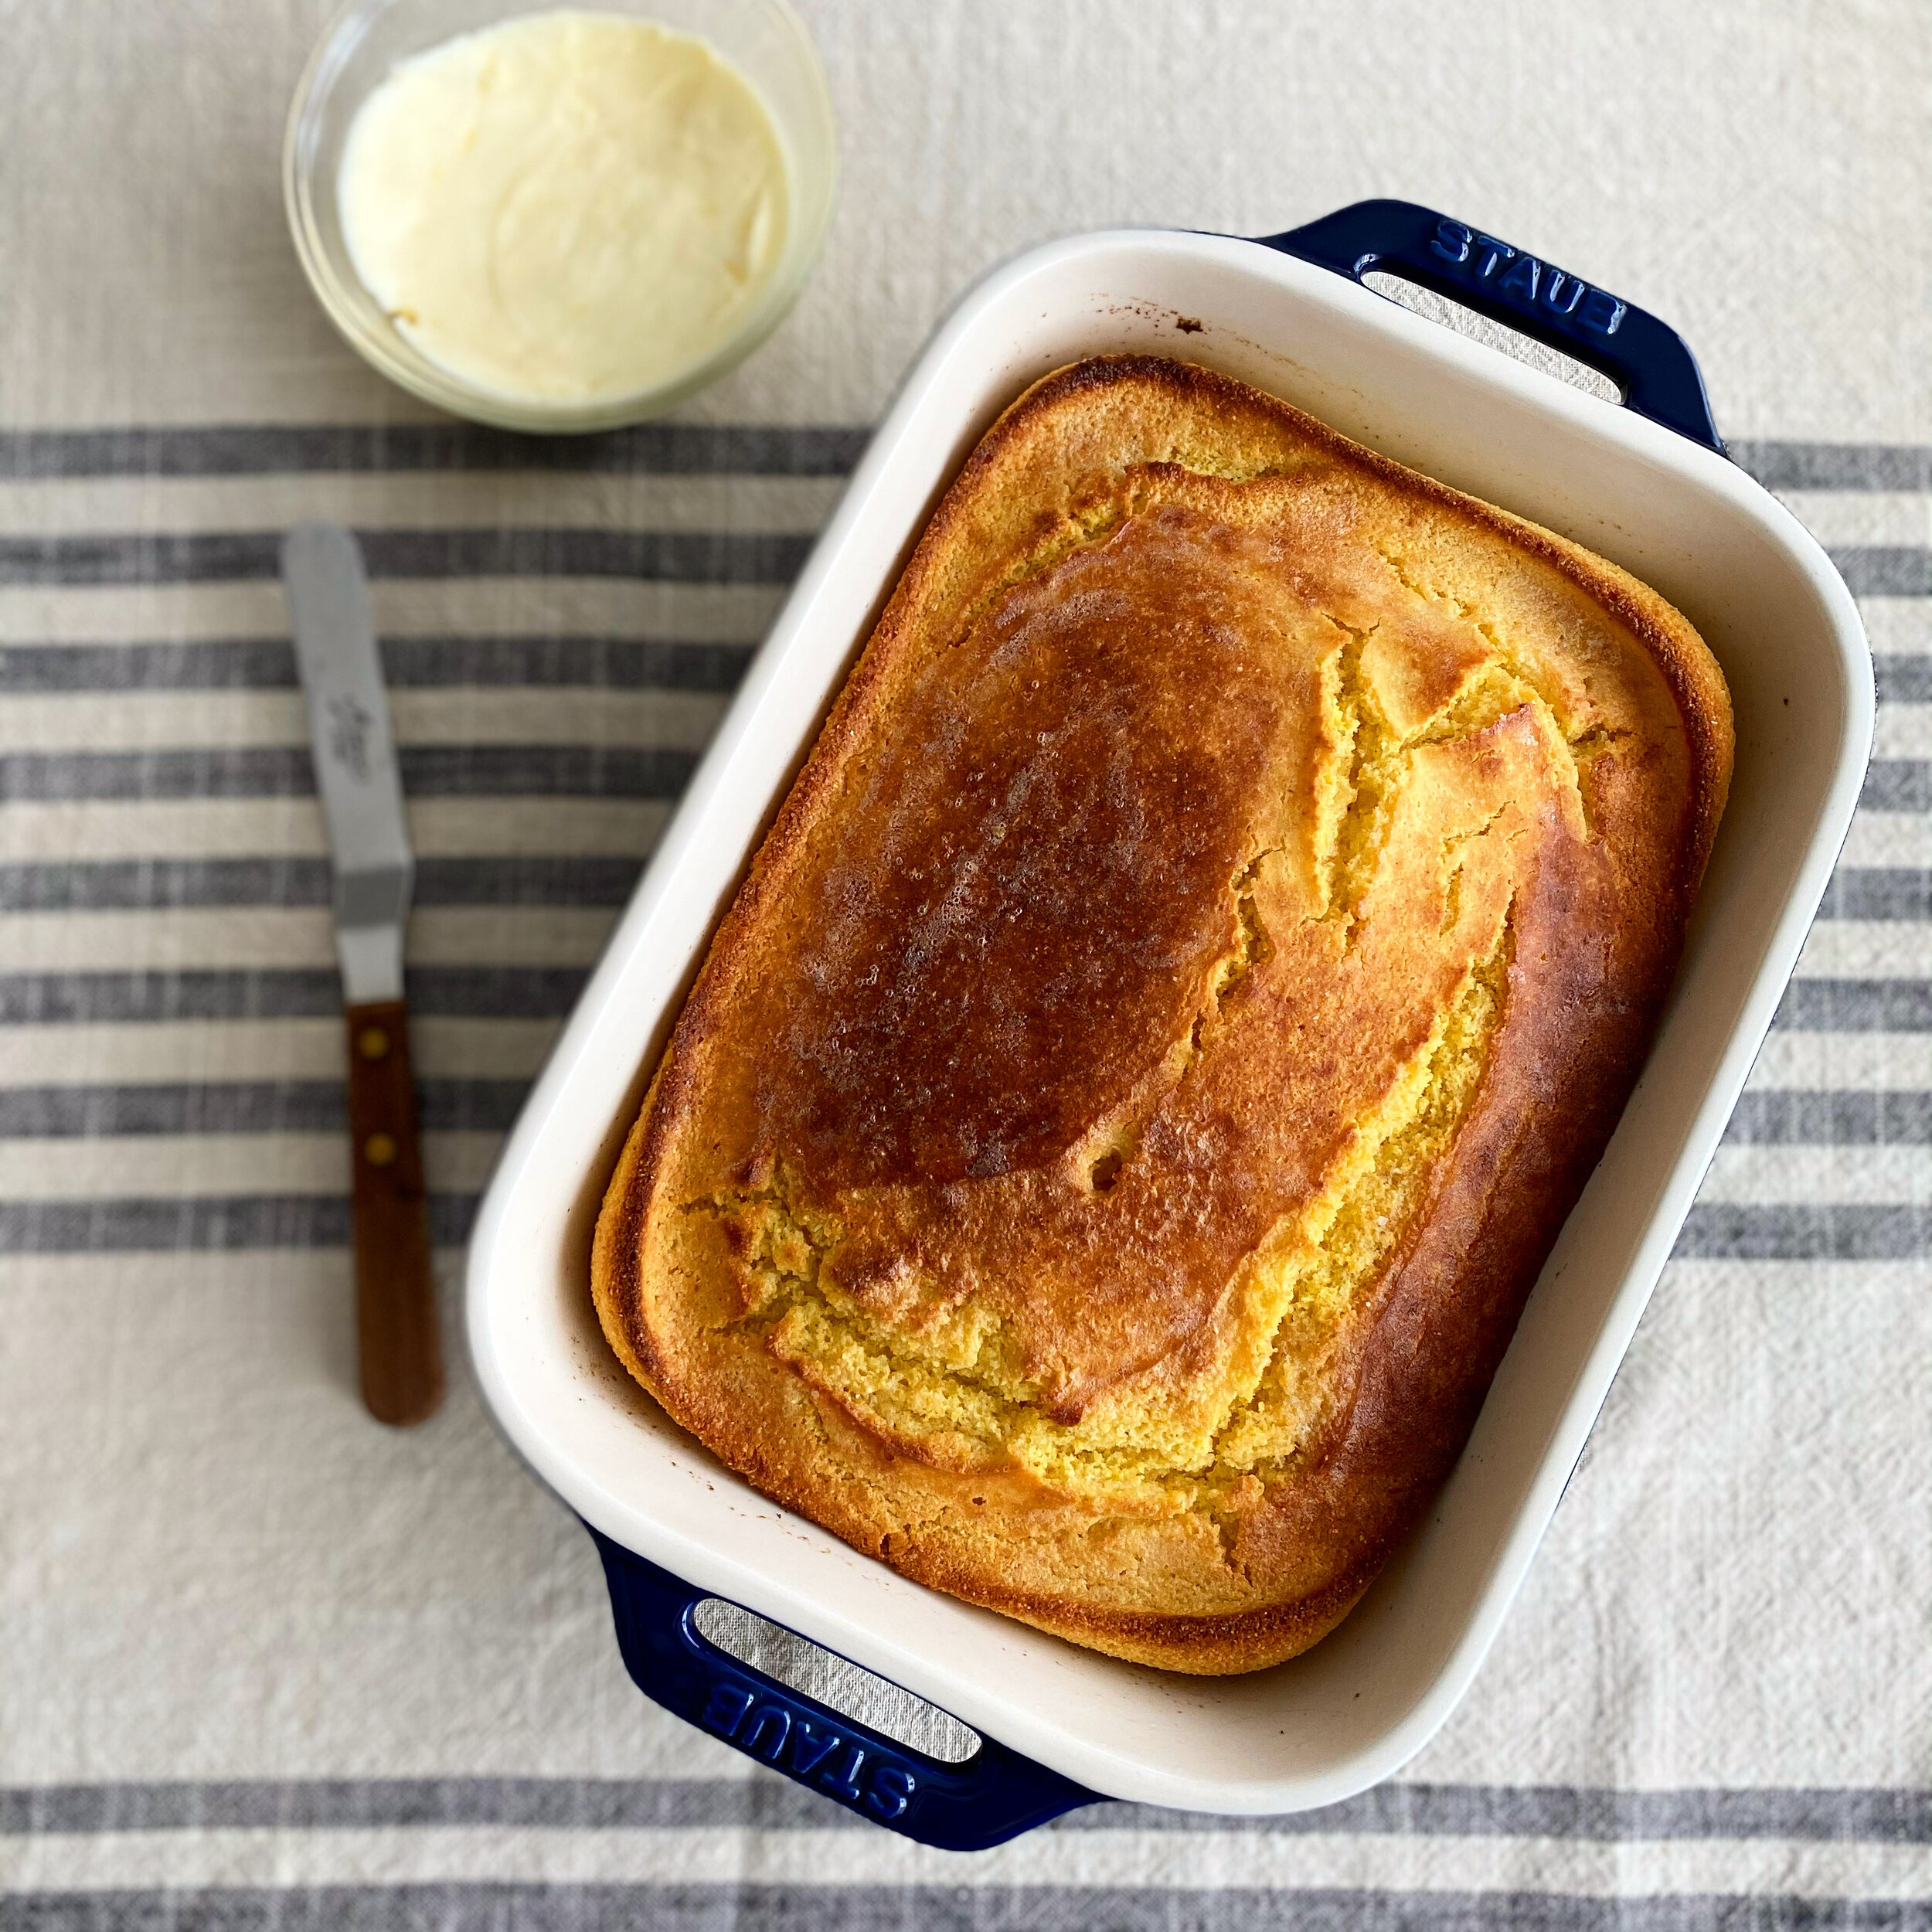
1522, 279
856, 1773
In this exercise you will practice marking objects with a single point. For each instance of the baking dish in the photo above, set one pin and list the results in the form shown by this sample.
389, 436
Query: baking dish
1648, 485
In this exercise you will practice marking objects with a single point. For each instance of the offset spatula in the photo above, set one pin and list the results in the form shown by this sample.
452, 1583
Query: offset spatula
402, 1360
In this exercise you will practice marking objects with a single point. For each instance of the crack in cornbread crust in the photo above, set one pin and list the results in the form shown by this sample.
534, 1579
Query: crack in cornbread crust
957, 1402
1580, 734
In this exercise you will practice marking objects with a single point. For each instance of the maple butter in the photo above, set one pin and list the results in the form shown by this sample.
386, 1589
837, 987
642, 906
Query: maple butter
567, 206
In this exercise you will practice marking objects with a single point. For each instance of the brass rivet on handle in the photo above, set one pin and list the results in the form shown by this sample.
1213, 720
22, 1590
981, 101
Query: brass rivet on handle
378, 1150
371, 1043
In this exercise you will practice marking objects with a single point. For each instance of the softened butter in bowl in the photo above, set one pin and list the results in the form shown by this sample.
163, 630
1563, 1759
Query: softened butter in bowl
565, 206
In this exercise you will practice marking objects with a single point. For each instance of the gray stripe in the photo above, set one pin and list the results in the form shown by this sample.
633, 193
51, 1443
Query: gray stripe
268, 664
657, 449
468, 992
230, 556
215, 1224
676, 556
1882, 892
227, 663
757, 1802
126, 885
1885, 570
661, 555
1780, 1117
1806, 1231
241, 1106
226, 1224
1791, 1118
284, 771
1836, 466
1597, 1816
748, 1907
681, 449
1899, 785
1902, 677
523, 992
623, 664
1856, 1006
129, 885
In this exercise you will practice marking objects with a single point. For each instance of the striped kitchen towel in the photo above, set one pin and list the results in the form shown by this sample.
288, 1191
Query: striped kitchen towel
264, 1666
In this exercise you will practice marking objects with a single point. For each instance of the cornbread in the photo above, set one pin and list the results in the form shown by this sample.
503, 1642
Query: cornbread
1108, 1147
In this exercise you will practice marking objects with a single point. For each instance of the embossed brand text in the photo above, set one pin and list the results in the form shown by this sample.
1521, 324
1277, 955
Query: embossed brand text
1523, 281
858, 1774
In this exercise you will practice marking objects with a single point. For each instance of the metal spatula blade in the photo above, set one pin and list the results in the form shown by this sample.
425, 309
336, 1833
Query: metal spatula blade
362, 794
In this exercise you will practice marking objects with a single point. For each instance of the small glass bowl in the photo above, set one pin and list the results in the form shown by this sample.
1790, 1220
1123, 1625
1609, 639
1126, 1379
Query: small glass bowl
764, 39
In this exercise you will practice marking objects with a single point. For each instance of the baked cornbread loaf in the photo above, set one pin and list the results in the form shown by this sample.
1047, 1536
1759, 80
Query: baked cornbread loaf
1106, 1152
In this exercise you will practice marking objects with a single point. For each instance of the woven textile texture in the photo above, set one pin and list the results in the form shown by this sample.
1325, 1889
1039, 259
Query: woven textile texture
263, 1665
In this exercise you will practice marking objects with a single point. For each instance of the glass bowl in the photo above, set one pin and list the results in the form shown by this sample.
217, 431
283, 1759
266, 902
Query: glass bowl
763, 39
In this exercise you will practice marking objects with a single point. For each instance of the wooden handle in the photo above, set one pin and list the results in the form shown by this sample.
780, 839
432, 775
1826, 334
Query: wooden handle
402, 1351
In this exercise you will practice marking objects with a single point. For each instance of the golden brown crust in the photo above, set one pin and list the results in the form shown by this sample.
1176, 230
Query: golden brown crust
1105, 1153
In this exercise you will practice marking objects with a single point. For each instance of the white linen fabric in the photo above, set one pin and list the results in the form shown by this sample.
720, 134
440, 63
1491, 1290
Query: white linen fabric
264, 1664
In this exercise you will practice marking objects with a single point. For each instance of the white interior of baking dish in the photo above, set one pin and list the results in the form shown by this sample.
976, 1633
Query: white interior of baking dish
1681, 518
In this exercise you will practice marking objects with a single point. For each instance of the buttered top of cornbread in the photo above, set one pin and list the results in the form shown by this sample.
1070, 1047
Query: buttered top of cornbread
1095, 1022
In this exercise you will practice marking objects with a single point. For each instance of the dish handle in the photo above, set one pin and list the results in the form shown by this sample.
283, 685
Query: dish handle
994, 1795
1647, 360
